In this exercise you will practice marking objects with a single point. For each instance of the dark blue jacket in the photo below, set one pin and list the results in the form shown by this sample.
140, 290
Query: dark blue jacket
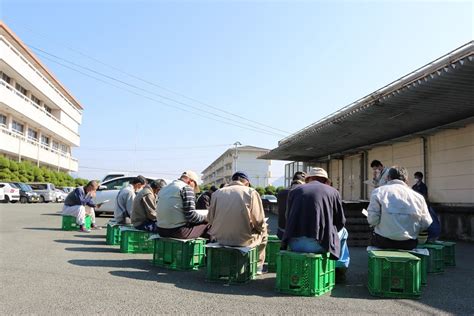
78, 197
315, 211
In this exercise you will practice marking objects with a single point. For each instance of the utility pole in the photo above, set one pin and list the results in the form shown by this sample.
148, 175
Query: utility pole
235, 155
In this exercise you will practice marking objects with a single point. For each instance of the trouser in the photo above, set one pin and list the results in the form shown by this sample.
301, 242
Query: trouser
80, 212
305, 244
386, 243
149, 226
185, 232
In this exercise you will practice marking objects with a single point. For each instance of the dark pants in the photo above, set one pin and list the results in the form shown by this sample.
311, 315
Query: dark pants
149, 226
386, 243
185, 232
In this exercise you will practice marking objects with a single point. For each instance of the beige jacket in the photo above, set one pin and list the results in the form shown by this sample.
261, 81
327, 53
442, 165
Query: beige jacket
236, 216
144, 207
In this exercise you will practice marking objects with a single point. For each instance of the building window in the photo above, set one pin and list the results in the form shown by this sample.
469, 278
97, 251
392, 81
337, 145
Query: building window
35, 100
17, 127
64, 148
45, 140
47, 109
5, 77
3, 120
20, 89
32, 134
55, 145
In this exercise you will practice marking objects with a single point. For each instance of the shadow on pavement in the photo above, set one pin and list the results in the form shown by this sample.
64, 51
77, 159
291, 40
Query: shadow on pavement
43, 228
81, 242
142, 264
90, 236
87, 249
51, 214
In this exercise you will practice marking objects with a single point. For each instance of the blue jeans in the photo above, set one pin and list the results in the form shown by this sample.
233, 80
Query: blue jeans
305, 244
149, 226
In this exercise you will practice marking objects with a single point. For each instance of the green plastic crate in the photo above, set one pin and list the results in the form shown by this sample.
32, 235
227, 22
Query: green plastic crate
113, 234
305, 274
436, 258
449, 252
394, 274
179, 254
424, 267
69, 222
271, 251
230, 265
136, 241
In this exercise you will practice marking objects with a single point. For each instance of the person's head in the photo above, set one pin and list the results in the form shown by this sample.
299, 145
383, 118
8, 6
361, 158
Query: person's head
241, 177
376, 165
317, 174
222, 185
190, 178
298, 177
157, 185
91, 186
418, 176
138, 183
213, 189
398, 173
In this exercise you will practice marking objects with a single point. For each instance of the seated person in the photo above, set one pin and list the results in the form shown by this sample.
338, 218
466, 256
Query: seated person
237, 217
176, 209
144, 206
282, 197
125, 197
397, 213
79, 203
315, 220
204, 199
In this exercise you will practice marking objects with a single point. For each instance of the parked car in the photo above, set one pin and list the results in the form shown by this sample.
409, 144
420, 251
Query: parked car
2, 194
108, 191
113, 175
60, 196
269, 203
27, 195
46, 191
68, 189
12, 193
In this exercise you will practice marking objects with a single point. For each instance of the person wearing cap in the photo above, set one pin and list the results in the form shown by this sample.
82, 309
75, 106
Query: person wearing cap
204, 199
176, 209
125, 197
144, 206
282, 197
397, 213
237, 217
315, 221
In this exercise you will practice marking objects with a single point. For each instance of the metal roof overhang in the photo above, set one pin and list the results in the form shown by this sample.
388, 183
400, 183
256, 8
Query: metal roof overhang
438, 95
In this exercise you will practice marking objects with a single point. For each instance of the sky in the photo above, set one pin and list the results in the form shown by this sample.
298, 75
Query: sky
168, 86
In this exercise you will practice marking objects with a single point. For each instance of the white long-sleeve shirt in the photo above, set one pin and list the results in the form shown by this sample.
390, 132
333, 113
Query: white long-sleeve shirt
397, 212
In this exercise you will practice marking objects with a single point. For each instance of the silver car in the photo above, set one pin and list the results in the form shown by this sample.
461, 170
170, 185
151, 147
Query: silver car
45, 190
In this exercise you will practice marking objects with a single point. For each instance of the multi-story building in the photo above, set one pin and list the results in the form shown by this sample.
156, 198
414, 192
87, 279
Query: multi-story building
39, 118
242, 159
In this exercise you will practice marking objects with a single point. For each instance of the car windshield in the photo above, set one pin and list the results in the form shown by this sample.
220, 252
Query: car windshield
14, 186
270, 198
23, 186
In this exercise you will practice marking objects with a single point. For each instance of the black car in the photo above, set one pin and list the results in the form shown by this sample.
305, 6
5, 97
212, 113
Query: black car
26, 193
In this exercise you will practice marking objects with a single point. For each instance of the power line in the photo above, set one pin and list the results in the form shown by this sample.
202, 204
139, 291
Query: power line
152, 83
41, 52
155, 100
152, 148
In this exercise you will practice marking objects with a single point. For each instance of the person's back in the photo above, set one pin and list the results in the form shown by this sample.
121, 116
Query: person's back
315, 211
123, 210
203, 201
234, 209
170, 205
282, 199
139, 213
403, 211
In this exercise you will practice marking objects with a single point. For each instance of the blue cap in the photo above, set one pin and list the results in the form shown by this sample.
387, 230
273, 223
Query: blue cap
240, 174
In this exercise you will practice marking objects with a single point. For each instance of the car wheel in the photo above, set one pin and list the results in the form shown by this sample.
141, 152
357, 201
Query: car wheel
23, 200
7, 199
14, 201
42, 199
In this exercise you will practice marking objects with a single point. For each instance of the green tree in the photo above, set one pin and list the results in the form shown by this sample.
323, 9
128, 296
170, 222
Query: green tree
260, 190
271, 190
279, 189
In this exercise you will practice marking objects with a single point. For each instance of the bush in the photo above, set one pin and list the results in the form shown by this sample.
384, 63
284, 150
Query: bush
280, 188
271, 190
260, 190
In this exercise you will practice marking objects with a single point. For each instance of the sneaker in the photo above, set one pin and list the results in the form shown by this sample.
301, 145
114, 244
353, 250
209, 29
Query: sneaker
95, 227
84, 230
261, 270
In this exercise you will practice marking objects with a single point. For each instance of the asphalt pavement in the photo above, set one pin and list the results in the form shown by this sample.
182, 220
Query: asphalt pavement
44, 270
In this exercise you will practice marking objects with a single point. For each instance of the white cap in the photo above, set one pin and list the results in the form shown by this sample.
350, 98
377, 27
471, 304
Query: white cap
193, 176
317, 172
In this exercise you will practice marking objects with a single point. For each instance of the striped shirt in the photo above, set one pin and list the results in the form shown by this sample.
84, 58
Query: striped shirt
189, 206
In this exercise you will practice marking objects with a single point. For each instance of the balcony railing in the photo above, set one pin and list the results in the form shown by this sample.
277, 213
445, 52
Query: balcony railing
34, 142
25, 98
16, 52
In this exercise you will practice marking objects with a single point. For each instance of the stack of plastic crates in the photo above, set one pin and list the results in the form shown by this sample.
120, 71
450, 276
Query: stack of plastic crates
304, 274
135, 241
178, 254
69, 222
230, 265
436, 258
271, 251
113, 234
394, 274
449, 252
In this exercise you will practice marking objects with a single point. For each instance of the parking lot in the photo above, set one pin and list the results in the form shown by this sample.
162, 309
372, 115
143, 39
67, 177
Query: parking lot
44, 270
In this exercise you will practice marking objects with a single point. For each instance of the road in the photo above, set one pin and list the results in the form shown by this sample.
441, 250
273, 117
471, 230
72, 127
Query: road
44, 270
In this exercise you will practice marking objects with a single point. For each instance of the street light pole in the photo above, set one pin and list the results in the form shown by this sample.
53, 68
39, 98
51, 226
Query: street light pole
235, 155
